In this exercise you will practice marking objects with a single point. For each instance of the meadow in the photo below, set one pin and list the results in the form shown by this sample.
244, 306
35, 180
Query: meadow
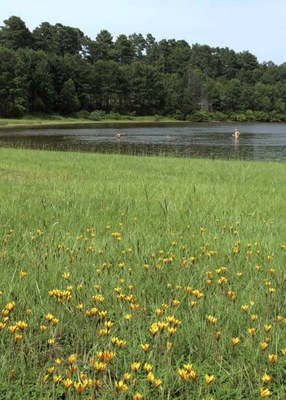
141, 278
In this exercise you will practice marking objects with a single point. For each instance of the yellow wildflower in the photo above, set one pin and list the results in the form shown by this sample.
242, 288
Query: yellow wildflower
272, 358
49, 317
193, 375
51, 370
145, 347
72, 358
135, 366
171, 330
209, 379
211, 319
66, 276
157, 383
147, 367
267, 328
251, 331
106, 356
264, 393
80, 386
169, 346
150, 377
108, 324
67, 383
103, 332
13, 328
266, 379
59, 361
121, 386
10, 306
183, 374
235, 341
263, 345
154, 329
54, 321
100, 366
188, 367
57, 378
175, 302
17, 338
126, 376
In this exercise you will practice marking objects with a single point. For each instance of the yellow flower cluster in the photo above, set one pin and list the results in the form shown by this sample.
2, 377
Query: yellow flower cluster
114, 318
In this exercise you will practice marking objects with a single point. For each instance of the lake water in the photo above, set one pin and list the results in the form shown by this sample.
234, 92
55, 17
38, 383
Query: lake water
256, 142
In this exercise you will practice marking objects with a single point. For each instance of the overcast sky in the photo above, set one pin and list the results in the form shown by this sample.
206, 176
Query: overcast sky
258, 26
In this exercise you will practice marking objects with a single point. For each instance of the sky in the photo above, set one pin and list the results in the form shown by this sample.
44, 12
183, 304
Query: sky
257, 26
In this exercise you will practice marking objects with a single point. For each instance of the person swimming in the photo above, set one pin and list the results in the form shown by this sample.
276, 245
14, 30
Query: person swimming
236, 134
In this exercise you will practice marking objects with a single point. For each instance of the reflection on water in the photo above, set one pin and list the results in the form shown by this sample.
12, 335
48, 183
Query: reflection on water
256, 142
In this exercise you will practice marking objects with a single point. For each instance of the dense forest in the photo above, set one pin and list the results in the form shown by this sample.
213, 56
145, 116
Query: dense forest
57, 69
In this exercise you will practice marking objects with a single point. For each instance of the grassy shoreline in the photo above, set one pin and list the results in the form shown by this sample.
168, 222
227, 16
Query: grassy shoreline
83, 123
69, 122
137, 263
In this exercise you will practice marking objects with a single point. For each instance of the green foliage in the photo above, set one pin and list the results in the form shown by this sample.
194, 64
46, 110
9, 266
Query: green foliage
57, 69
97, 115
82, 114
262, 116
102, 47
199, 116
179, 115
237, 117
157, 117
206, 116
58, 39
172, 93
250, 116
218, 116
15, 35
68, 98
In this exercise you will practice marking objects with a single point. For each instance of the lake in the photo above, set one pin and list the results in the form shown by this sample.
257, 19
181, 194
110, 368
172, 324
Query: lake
208, 140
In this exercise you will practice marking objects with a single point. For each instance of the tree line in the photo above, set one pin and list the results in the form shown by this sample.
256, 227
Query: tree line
57, 69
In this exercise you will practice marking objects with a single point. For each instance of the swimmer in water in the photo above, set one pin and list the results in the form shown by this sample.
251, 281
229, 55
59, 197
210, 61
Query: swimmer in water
236, 133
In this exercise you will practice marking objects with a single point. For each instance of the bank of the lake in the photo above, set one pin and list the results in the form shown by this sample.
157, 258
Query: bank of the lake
141, 277
84, 123
58, 121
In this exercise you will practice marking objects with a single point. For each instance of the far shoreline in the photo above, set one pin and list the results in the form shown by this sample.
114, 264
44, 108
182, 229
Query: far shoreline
13, 124
95, 124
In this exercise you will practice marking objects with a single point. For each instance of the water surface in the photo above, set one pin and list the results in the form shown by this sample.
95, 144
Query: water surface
256, 142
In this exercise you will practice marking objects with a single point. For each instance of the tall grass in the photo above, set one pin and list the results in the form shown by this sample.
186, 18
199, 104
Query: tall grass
105, 253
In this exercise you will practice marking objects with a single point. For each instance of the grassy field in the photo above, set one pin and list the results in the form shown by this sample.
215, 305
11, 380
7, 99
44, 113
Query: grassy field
132, 278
